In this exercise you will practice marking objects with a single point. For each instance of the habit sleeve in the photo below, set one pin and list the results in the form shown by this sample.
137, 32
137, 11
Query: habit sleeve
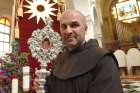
105, 77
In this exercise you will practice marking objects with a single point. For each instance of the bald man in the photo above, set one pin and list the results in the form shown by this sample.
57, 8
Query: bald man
83, 67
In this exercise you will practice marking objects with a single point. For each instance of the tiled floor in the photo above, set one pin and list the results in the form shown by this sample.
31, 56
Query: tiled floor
131, 86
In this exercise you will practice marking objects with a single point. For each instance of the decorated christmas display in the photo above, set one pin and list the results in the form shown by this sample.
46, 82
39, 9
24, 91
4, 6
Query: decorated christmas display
16, 68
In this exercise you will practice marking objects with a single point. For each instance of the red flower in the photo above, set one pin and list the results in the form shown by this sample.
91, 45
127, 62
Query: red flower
14, 76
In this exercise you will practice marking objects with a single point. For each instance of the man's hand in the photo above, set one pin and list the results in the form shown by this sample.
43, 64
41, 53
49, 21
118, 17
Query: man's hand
36, 81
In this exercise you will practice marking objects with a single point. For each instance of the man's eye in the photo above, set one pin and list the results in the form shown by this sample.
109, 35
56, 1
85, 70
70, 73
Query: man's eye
74, 25
63, 26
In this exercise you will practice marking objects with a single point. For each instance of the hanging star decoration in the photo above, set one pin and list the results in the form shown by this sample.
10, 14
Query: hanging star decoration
42, 9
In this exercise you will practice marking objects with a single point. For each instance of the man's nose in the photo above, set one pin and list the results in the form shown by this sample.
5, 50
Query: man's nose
69, 30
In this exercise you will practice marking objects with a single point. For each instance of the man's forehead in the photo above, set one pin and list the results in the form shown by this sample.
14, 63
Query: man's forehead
71, 12
71, 16
70, 20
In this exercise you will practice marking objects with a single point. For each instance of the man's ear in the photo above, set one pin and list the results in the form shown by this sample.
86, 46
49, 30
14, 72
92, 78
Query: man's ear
86, 28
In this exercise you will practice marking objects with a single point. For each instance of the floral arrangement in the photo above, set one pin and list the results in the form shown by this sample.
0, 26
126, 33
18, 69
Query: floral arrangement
11, 64
11, 67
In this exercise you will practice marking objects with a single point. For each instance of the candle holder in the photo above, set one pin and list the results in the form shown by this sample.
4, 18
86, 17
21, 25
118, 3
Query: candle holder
42, 73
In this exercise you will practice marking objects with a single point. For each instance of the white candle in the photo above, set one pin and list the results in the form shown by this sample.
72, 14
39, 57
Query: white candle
14, 85
26, 78
0, 67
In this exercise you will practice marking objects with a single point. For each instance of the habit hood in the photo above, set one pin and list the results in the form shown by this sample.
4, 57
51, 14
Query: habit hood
79, 61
